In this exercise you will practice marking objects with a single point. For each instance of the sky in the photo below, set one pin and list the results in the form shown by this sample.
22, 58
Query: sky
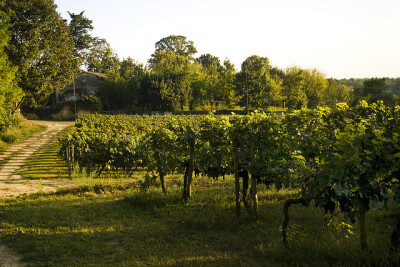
341, 38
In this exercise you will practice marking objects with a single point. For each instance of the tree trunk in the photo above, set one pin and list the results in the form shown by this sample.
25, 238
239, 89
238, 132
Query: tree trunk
237, 178
190, 178
395, 238
254, 183
245, 194
362, 212
162, 181
285, 223
185, 183
254, 196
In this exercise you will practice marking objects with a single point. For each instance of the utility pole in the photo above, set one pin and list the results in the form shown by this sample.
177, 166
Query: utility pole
74, 99
247, 96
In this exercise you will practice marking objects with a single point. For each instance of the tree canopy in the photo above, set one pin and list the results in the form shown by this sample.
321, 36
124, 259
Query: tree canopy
176, 44
80, 27
44, 53
42, 48
10, 93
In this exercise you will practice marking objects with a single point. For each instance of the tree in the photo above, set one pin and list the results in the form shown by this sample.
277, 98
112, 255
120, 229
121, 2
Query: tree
176, 44
42, 47
173, 75
120, 90
208, 60
10, 93
80, 27
293, 88
374, 89
205, 88
315, 85
336, 93
226, 84
101, 57
263, 89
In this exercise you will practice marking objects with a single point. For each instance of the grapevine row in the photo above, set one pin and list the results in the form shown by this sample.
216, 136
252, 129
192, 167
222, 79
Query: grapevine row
345, 156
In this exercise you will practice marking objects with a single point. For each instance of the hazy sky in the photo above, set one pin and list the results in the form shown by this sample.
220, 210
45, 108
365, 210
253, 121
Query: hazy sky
341, 38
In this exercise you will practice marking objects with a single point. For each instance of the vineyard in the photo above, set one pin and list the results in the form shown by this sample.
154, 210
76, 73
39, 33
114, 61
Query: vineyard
344, 160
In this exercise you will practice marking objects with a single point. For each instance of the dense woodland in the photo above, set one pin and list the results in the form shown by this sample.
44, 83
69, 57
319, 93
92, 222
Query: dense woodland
40, 52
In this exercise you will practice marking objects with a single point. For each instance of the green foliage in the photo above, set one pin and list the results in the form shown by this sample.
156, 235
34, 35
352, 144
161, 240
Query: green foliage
293, 93
80, 27
176, 44
345, 156
89, 102
10, 93
101, 57
41, 47
336, 93
173, 75
263, 89
122, 90
9, 138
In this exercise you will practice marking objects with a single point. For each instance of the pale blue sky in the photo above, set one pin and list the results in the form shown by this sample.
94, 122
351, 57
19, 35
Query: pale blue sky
341, 38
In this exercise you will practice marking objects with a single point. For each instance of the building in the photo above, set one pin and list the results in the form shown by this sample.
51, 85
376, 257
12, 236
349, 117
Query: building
86, 83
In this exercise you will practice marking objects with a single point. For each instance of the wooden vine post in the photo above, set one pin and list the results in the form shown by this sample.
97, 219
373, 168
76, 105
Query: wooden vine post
187, 180
88, 168
362, 212
69, 164
190, 178
162, 180
185, 184
253, 182
237, 177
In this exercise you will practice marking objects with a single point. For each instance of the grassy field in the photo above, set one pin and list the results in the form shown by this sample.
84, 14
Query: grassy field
110, 221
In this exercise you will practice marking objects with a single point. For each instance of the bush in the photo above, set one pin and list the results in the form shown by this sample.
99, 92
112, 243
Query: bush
9, 138
89, 102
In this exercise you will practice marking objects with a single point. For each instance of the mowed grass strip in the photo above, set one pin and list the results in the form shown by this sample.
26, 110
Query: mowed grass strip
107, 224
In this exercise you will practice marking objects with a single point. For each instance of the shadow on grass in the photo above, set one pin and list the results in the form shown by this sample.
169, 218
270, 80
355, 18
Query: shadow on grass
133, 228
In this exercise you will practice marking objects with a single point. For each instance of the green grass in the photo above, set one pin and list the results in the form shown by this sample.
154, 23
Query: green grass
123, 226
17, 133
112, 222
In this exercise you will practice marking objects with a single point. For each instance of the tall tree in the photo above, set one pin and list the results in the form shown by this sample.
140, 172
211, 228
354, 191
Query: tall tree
336, 93
173, 75
205, 88
208, 60
263, 90
315, 85
226, 84
119, 90
42, 47
101, 57
80, 27
10, 93
293, 88
176, 44
374, 88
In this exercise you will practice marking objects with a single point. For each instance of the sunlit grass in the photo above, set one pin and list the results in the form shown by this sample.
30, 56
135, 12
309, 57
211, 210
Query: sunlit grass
15, 134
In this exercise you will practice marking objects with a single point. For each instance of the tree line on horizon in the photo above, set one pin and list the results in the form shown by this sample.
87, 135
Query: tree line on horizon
41, 52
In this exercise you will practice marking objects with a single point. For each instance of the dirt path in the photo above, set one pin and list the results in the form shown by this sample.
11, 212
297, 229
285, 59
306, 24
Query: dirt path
11, 183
